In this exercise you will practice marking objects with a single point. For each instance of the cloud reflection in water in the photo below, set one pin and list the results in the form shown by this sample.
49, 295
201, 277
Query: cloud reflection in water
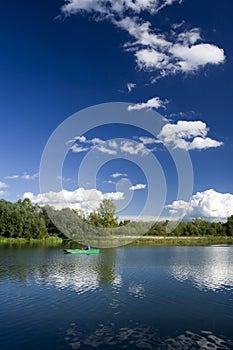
213, 273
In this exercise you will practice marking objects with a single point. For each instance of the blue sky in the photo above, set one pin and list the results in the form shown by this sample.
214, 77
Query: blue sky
58, 58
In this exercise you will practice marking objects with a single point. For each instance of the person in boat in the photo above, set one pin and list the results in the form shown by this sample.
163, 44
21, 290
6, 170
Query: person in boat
88, 247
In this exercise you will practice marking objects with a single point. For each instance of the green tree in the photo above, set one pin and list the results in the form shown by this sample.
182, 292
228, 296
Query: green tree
94, 219
229, 226
106, 212
22, 219
104, 216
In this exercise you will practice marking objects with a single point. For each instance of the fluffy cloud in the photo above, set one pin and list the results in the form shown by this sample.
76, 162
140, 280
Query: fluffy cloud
109, 8
105, 149
78, 149
83, 140
202, 143
154, 102
137, 187
179, 58
112, 147
189, 37
141, 32
148, 140
80, 199
26, 176
115, 175
133, 148
209, 204
168, 53
82, 144
187, 135
191, 58
151, 59
3, 185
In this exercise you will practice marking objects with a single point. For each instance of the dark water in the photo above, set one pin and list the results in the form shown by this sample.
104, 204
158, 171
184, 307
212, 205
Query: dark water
124, 298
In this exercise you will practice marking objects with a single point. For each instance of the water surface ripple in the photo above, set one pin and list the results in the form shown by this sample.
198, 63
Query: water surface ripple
123, 298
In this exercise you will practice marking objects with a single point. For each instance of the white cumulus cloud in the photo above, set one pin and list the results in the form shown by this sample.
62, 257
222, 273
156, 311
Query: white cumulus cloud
148, 140
26, 176
191, 58
202, 143
178, 50
209, 204
112, 147
154, 102
187, 135
137, 187
133, 148
79, 199
3, 185
151, 59
110, 8
117, 174
78, 149
107, 150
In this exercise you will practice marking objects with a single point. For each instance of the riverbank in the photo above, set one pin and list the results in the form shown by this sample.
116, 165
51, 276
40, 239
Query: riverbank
183, 240
130, 241
110, 242
49, 241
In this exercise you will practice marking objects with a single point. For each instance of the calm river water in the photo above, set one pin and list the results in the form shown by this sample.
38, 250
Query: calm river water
123, 298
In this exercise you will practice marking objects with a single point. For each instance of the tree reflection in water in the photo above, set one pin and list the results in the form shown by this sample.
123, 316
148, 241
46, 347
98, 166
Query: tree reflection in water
105, 267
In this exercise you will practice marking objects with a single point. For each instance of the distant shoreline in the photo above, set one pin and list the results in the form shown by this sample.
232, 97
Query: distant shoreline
183, 240
131, 241
49, 240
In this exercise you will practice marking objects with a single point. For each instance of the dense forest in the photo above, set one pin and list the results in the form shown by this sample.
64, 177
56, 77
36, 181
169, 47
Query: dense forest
26, 220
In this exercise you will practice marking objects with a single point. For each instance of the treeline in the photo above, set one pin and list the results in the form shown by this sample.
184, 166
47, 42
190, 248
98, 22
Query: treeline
197, 227
26, 220
22, 220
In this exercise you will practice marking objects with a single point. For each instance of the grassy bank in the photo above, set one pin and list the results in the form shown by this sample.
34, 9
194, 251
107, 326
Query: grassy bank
183, 241
134, 241
109, 242
45, 241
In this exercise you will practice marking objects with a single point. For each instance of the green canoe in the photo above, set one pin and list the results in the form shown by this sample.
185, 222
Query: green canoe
81, 251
